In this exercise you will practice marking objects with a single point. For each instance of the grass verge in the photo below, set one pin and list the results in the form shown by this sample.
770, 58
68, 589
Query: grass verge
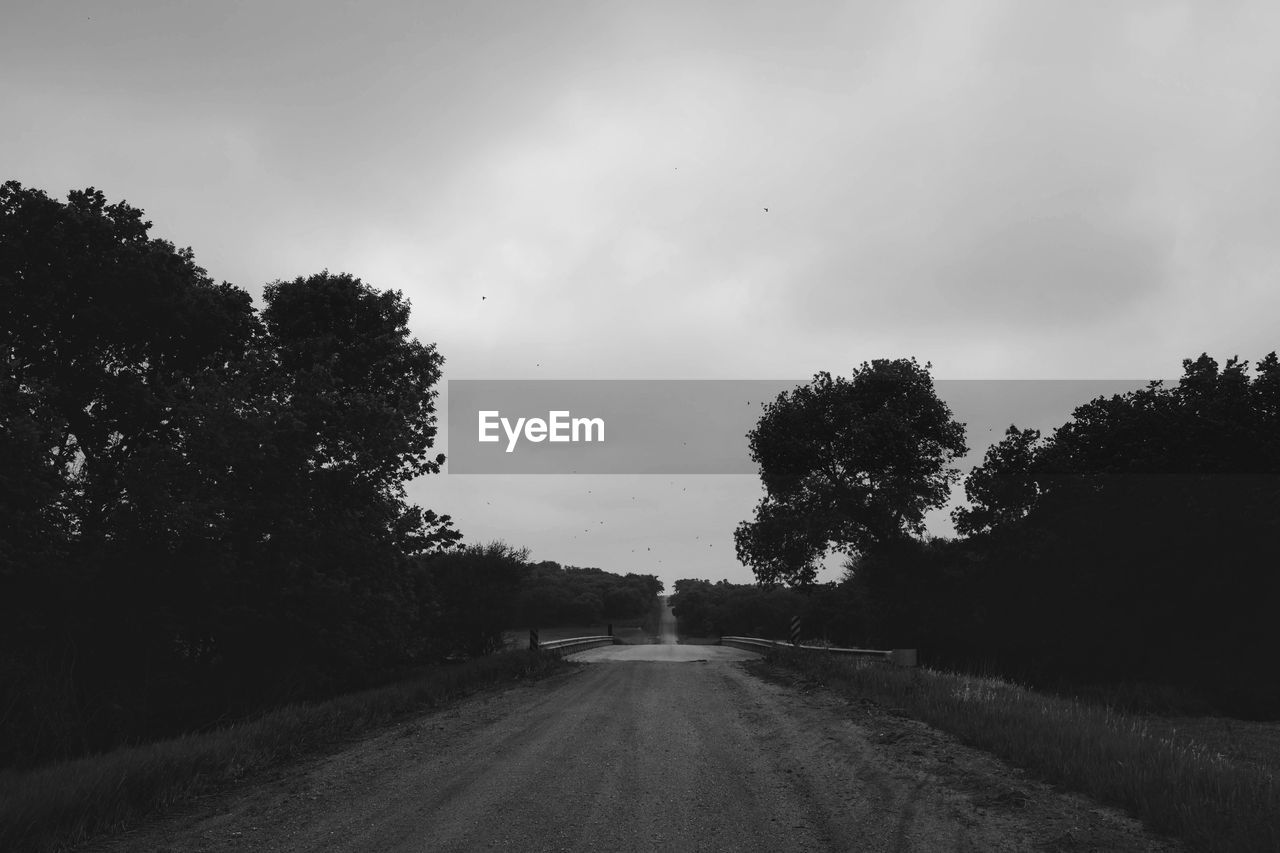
1172, 782
53, 807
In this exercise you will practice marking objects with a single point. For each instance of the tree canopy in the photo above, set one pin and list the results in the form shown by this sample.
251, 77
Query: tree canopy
1217, 427
847, 465
205, 506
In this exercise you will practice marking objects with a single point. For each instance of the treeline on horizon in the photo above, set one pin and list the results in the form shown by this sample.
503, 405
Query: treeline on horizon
1138, 544
481, 592
204, 504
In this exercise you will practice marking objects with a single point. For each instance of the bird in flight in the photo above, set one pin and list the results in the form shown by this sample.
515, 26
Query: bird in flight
766, 210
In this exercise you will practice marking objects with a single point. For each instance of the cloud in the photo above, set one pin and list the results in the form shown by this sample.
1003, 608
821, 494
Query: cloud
1003, 188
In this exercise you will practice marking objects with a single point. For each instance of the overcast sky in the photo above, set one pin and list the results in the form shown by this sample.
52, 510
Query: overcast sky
577, 191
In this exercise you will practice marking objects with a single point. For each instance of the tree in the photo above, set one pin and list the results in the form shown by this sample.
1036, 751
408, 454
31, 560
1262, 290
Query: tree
1003, 488
347, 406
361, 387
107, 336
649, 585
1214, 424
107, 329
625, 602
554, 595
1137, 542
847, 465
470, 597
205, 507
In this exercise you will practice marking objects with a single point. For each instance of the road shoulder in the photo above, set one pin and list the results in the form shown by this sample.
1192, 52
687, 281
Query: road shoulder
986, 791
283, 801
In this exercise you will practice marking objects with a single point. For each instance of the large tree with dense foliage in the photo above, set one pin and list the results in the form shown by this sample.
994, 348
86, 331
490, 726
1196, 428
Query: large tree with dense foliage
205, 506
358, 380
1003, 488
108, 338
1139, 540
847, 464
1135, 545
1217, 425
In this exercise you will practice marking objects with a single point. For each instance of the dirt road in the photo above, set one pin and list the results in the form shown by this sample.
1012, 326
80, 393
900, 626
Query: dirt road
666, 625
646, 755
665, 649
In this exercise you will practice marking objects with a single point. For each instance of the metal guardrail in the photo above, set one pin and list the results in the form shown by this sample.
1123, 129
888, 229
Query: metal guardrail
898, 657
575, 644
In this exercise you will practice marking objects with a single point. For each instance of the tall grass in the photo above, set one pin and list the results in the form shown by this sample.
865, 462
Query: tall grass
53, 807
1173, 783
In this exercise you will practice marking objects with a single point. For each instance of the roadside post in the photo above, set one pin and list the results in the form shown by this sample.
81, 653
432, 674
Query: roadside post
795, 630
533, 639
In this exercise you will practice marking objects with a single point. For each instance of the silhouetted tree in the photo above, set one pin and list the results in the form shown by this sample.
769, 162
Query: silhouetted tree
847, 464
555, 595
1003, 488
107, 334
1138, 541
204, 511
359, 385
472, 598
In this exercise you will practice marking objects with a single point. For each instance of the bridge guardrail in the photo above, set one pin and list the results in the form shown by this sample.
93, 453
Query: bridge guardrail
575, 644
898, 657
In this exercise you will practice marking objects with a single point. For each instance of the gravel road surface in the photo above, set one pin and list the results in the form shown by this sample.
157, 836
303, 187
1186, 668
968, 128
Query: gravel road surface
661, 755
665, 649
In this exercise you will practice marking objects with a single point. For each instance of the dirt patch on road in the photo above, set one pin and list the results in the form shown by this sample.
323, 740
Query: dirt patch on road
986, 790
